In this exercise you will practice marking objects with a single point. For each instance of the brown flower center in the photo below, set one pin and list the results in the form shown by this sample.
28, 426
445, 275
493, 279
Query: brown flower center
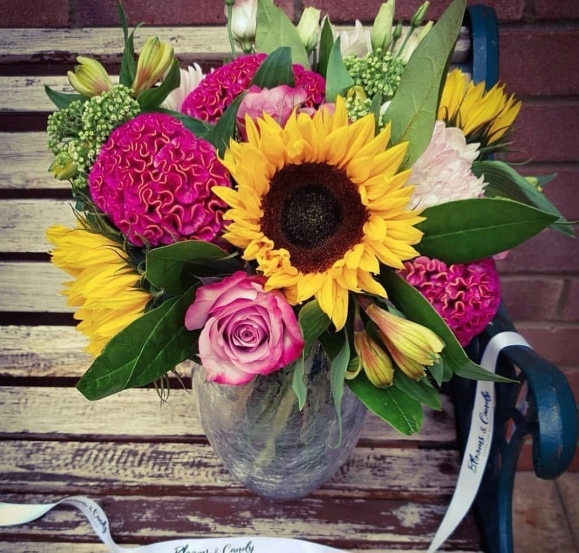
314, 211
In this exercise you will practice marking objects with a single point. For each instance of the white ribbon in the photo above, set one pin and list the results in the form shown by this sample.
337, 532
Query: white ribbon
479, 441
469, 479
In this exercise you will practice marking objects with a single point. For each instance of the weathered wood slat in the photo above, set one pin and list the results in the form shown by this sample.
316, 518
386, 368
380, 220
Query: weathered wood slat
25, 162
63, 45
190, 469
24, 223
342, 523
32, 287
137, 414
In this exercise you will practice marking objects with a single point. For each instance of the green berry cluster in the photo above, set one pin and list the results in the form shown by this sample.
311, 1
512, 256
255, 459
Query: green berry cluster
376, 73
357, 108
77, 132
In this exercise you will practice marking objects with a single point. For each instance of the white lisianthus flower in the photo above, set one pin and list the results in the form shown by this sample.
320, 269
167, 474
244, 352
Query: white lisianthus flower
309, 28
443, 173
190, 78
355, 42
244, 23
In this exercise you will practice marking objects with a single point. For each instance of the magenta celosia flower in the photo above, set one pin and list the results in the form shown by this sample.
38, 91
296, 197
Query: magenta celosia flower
218, 90
465, 295
153, 179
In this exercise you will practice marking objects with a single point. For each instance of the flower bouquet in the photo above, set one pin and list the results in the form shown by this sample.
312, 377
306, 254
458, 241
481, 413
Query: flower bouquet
313, 224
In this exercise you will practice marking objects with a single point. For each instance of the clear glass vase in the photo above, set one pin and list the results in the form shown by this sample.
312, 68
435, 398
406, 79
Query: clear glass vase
266, 442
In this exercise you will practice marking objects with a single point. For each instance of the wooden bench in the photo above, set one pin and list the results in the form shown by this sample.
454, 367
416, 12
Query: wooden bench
149, 465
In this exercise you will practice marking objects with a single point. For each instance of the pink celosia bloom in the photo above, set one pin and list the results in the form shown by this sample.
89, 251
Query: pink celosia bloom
153, 178
246, 331
218, 90
443, 173
190, 78
465, 295
279, 102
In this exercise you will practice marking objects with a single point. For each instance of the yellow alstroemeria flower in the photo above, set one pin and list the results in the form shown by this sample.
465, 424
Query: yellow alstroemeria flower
373, 359
155, 58
90, 78
412, 346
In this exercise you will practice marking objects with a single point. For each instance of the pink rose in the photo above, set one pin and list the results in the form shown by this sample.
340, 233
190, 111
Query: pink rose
279, 102
246, 331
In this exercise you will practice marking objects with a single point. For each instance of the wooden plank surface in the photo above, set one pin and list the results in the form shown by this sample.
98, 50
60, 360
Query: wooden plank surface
24, 223
60, 412
341, 522
81, 467
50, 45
31, 287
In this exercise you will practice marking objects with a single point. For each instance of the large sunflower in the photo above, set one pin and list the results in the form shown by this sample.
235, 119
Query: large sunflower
319, 205
105, 287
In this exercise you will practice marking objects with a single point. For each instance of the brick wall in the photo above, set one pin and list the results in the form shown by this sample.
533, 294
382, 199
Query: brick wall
539, 42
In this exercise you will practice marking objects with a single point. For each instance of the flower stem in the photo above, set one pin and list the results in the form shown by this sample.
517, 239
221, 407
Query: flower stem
229, 31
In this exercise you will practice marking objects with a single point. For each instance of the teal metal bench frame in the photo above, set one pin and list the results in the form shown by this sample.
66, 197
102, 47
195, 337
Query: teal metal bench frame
542, 405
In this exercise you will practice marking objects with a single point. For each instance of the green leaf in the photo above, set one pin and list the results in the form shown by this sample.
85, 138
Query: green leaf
504, 181
313, 322
276, 70
199, 128
326, 44
337, 378
468, 230
142, 352
62, 100
416, 308
390, 404
298, 381
274, 29
223, 131
175, 268
414, 107
437, 372
154, 97
418, 390
128, 63
338, 80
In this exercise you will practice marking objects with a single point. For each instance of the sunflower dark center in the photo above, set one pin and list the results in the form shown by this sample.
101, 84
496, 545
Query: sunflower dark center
310, 215
315, 212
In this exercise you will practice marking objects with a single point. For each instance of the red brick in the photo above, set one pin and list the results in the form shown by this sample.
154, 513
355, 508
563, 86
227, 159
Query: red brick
558, 344
549, 252
346, 11
536, 63
168, 12
547, 131
571, 309
557, 9
531, 299
40, 13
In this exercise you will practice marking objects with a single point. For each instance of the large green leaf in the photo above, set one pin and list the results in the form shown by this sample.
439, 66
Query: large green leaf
224, 130
313, 322
416, 308
276, 70
326, 44
337, 378
413, 108
390, 404
504, 181
62, 100
418, 390
338, 80
153, 97
274, 29
142, 352
175, 268
199, 128
468, 230
128, 65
